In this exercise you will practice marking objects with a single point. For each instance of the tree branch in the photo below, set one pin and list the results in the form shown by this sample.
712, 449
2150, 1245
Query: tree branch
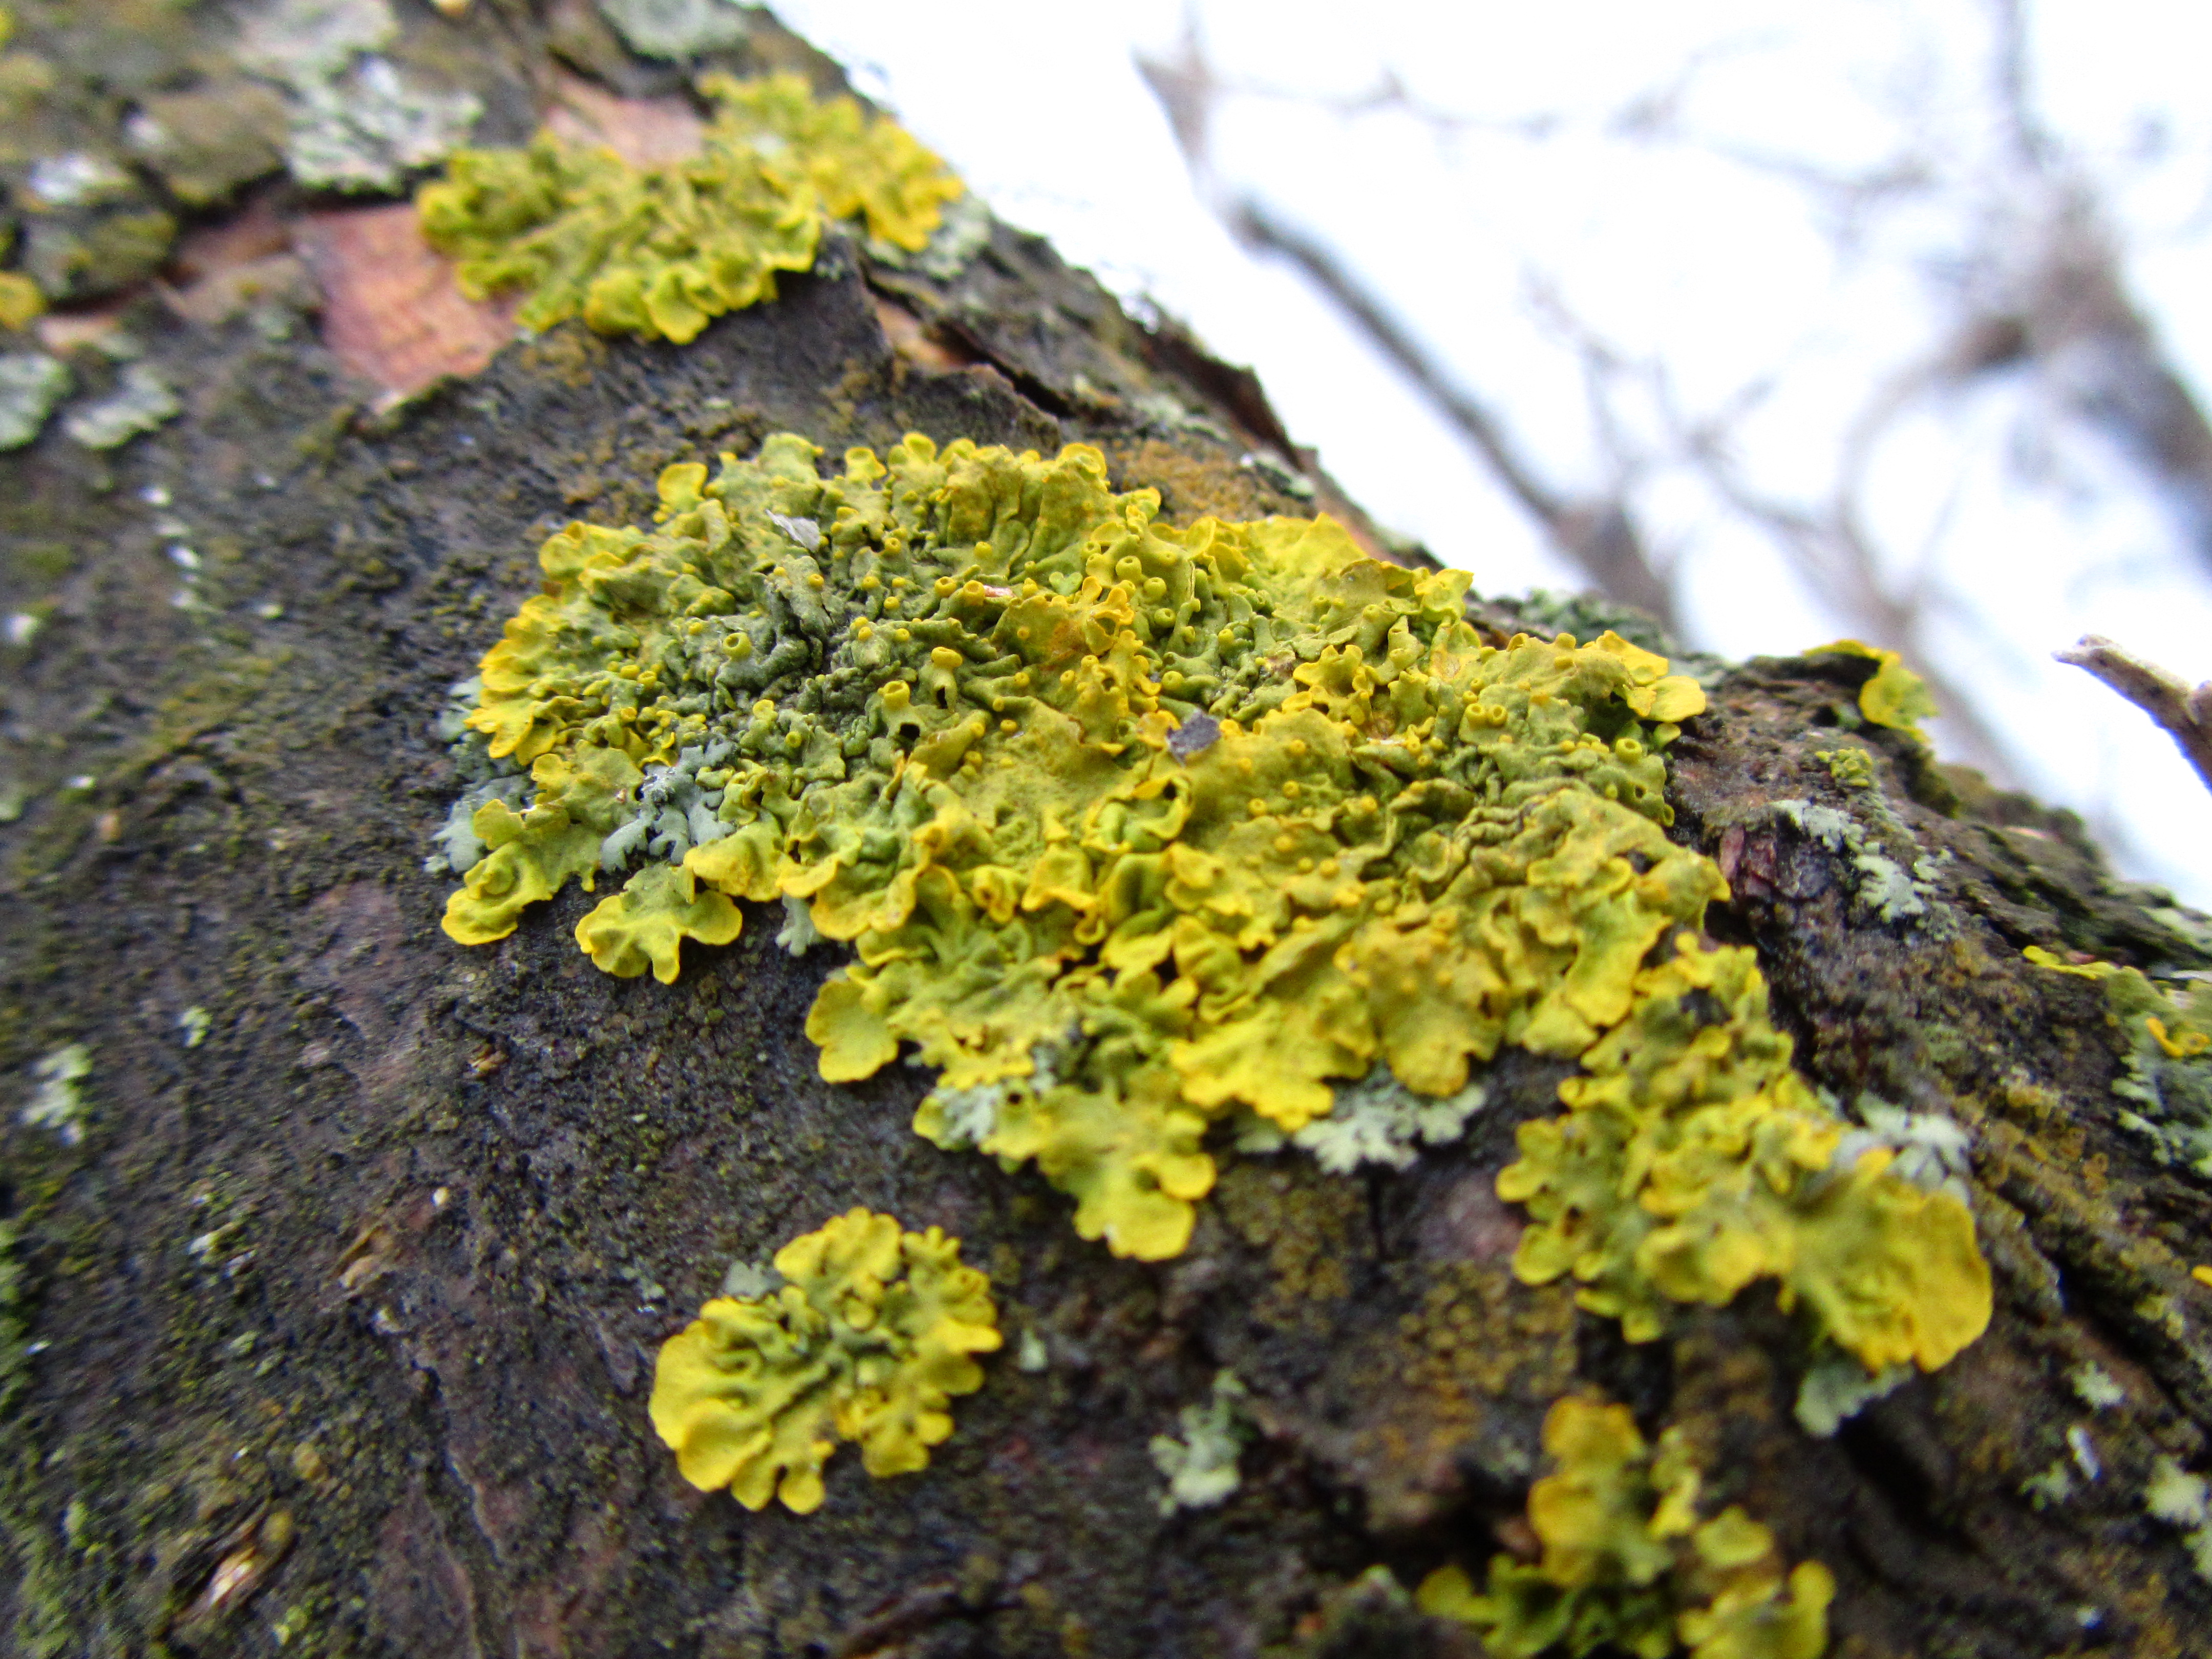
2184, 715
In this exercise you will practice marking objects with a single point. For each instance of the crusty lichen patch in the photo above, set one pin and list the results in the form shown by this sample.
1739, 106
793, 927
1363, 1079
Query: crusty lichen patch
1628, 1565
661, 251
872, 1333
1135, 830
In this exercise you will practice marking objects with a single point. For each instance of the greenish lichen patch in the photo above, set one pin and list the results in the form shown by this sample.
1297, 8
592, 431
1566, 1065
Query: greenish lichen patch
662, 251
31, 384
1200, 1468
867, 1337
356, 121
57, 1105
2183, 1502
141, 400
1628, 1563
677, 28
2166, 1083
1135, 830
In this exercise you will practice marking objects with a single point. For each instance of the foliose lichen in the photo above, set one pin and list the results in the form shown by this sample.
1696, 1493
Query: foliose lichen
355, 122
31, 384
20, 302
870, 1333
2183, 1502
1136, 829
1627, 1563
1894, 696
141, 400
2166, 1076
677, 28
1200, 1469
662, 251
57, 1104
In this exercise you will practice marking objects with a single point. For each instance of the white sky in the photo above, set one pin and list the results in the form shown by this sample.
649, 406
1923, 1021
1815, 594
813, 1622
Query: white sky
1696, 252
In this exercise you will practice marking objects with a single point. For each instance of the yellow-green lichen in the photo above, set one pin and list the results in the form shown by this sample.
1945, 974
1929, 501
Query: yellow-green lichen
868, 1338
1694, 1160
2167, 1079
1134, 830
1894, 696
1627, 1564
1851, 767
662, 251
20, 302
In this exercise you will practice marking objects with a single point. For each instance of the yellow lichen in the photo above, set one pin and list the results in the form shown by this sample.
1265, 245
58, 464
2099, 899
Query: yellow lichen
662, 251
2166, 1078
1627, 1563
868, 1340
1134, 828
1894, 696
1852, 768
20, 302
1694, 1160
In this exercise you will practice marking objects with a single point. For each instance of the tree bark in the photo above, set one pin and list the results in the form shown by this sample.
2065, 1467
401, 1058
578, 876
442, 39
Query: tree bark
332, 1332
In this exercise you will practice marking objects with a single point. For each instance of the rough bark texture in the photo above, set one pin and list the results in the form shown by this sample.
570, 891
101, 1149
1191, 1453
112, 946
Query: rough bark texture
332, 1335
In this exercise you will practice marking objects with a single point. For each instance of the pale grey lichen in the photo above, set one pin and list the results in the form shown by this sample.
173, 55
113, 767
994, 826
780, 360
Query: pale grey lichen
677, 28
1881, 884
455, 842
296, 41
1201, 1466
356, 122
799, 934
1032, 1356
58, 1105
2052, 1486
2094, 1387
970, 1117
2183, 1501
963, 232
366, 131
2085, 1453
751, 1280
77, 179
1931, 1151
1376, 1119
142, 400
1379, 1119
1838, 1387
675, 808
1279, 472
31, 384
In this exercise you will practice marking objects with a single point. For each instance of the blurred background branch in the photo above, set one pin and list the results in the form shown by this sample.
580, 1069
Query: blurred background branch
2026, 264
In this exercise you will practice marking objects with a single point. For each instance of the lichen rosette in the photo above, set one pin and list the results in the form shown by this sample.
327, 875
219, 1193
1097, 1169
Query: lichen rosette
1133, 828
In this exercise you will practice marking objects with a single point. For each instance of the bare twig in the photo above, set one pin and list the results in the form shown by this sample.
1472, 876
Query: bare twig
2184, 715
1598, 534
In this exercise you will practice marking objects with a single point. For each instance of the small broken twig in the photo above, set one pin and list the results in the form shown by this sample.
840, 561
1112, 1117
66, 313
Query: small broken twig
2185, 716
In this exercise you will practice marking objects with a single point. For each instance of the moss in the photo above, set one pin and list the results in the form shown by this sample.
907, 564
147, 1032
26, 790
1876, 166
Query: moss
660, 252
873, 1332
1628, 1565
1136, 828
